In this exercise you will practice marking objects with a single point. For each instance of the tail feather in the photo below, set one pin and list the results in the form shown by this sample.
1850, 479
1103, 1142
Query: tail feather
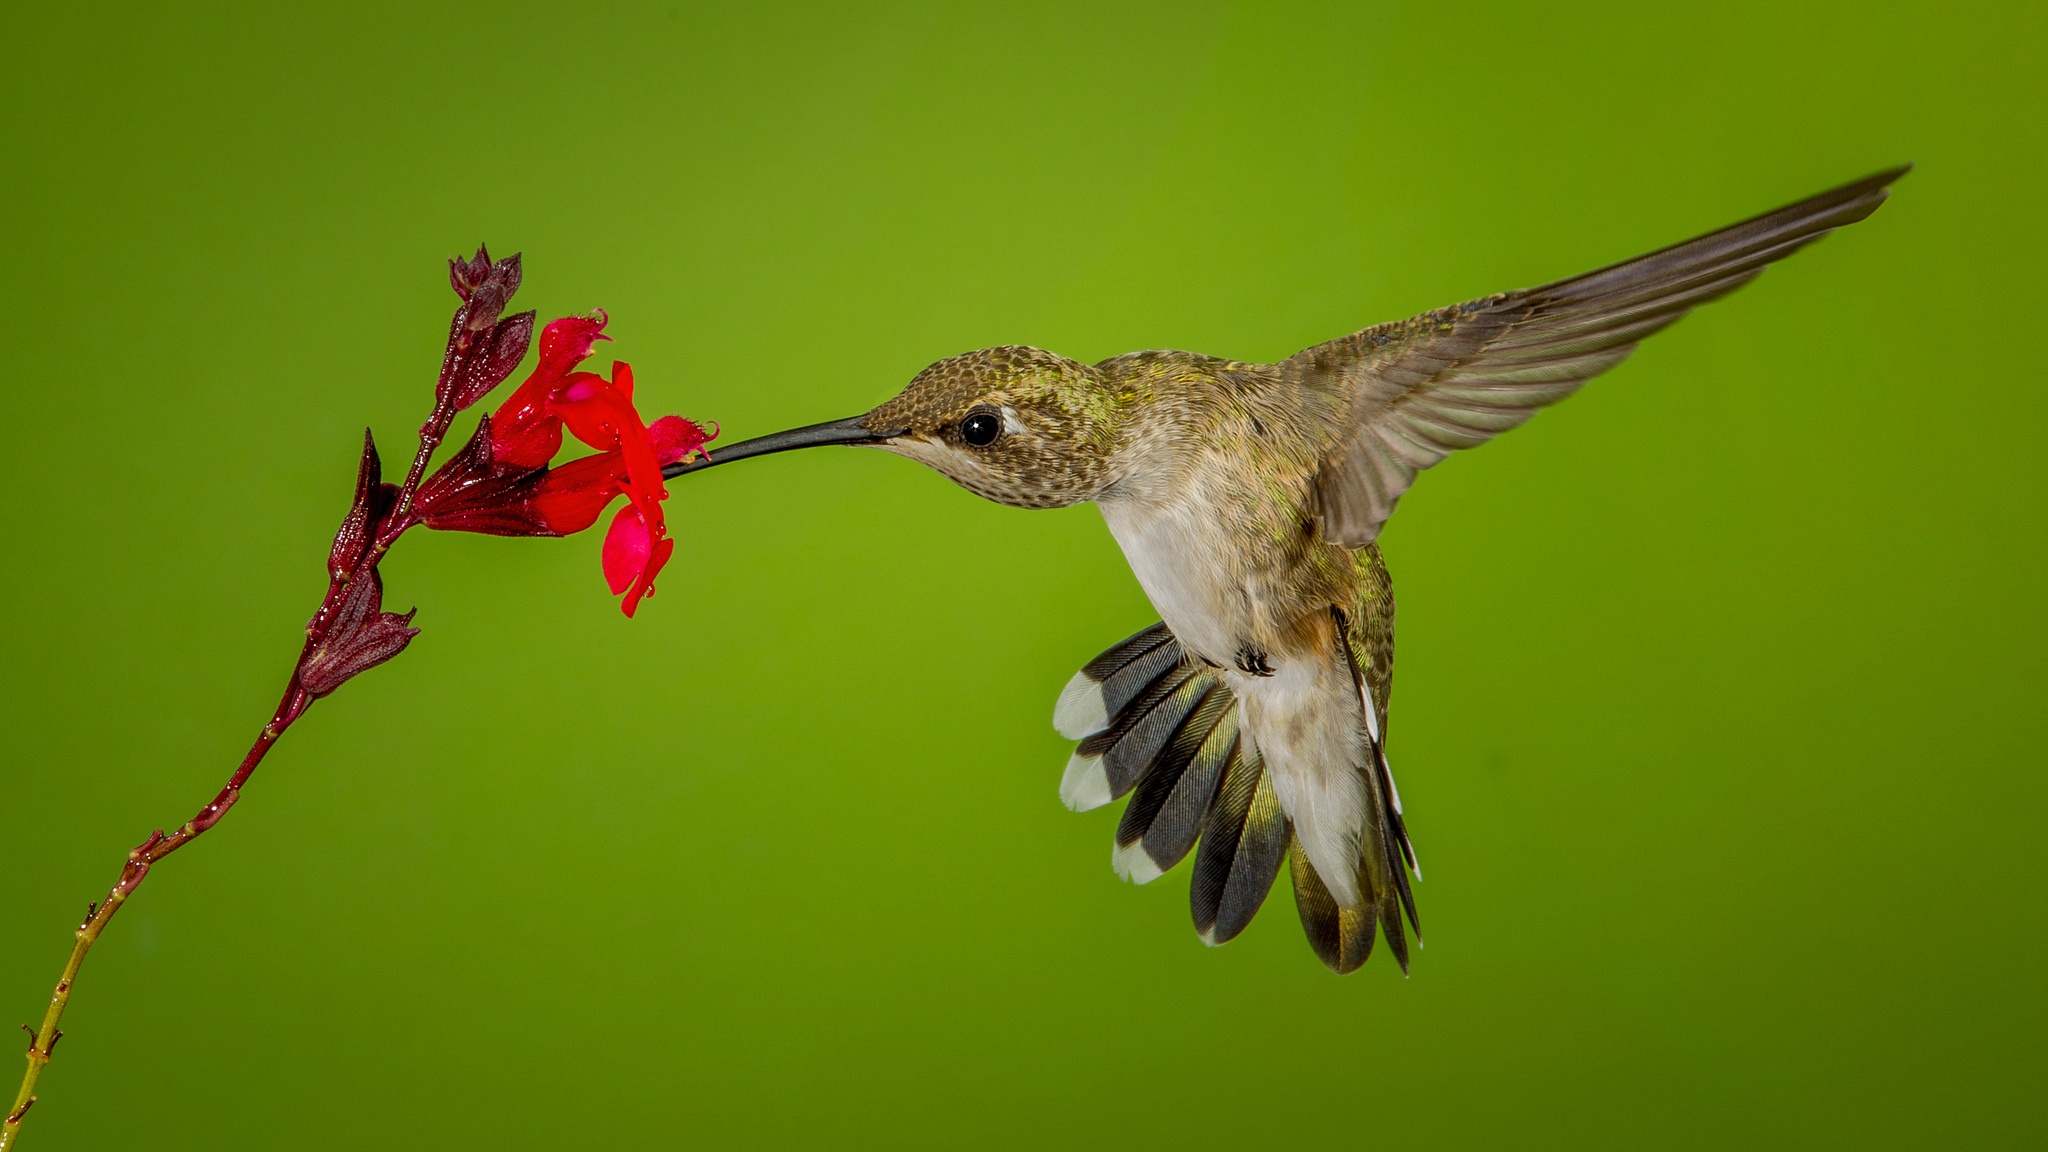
1168, 732
1393, 897
1134, 743
1342, 937
1085, 706
1167, 810
1399, 850
1386, 853
1243, 844
1148, 679
1129, 683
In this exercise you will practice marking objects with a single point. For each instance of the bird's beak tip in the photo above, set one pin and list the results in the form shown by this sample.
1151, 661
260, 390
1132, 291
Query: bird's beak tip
853, 430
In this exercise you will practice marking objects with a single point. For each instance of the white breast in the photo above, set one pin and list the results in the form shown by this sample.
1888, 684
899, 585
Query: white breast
1181, 559
1304, 716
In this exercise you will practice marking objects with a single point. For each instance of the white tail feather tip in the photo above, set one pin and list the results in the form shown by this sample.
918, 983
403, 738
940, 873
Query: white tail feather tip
1080, 712
1135, 864
1085, 784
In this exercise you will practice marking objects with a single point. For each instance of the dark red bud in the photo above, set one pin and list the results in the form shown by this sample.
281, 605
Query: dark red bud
359, 637
488, 299
470, 493
496, 357
465, 275
486, 304
475, 356
373, 498
511, 270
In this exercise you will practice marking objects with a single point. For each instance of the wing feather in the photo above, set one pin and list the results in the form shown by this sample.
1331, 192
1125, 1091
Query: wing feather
1422, 388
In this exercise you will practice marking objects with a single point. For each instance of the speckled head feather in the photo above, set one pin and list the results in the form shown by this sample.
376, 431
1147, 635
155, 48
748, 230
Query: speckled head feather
1056, 425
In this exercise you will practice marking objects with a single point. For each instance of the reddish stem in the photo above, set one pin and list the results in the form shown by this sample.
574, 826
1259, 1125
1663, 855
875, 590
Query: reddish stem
293, 705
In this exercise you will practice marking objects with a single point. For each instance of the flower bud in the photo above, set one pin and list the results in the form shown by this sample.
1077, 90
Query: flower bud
494, 358
465, 275
472, 493
359, 637
365, 515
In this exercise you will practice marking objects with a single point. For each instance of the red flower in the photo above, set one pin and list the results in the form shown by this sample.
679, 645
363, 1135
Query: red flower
501, 483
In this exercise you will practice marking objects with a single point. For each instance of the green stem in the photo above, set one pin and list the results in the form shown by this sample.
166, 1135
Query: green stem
43, 1041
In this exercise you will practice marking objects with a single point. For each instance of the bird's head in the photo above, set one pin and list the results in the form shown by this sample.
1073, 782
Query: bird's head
1020, 426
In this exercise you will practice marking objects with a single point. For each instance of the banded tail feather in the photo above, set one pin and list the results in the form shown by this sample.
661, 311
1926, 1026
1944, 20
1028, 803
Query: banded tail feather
1163, 728
1244, 842
1108, 764
1110, 681
1167, 811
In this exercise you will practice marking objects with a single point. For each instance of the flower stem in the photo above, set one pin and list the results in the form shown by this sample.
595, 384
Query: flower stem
431, 435
145, 855
43, 1041
476, 330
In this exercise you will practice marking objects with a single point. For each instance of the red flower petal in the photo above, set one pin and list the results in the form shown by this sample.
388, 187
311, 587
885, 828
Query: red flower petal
594, 410
600, 415
635, 549
525, 430
676, 439
628, 546
569, 498
663, 549
524, 436
566, 343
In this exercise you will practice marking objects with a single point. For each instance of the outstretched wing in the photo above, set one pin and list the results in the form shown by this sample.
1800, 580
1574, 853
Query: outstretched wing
1457, 377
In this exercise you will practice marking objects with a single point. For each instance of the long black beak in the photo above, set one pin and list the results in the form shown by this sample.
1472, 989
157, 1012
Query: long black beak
847, 431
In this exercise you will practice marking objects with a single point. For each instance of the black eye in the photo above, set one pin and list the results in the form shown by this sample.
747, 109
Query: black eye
981, 428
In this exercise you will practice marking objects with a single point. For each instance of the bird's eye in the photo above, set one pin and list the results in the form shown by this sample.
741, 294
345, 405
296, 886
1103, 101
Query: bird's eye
981, 428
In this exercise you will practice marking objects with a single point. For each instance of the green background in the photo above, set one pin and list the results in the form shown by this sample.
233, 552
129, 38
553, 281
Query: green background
1718, 715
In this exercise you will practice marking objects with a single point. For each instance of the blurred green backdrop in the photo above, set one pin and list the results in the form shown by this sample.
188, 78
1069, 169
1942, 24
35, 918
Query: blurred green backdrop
1718, 712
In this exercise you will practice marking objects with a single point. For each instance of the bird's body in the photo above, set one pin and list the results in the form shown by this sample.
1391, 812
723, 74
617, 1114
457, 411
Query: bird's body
1249, 727
1213, 504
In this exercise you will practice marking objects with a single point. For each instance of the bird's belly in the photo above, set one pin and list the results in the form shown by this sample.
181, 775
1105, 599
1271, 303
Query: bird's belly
1187, 565
1299, 706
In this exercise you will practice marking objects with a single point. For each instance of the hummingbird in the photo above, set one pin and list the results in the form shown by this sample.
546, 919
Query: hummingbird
1248, 726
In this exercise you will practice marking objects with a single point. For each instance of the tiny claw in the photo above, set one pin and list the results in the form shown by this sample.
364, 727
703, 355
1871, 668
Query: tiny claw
54, 1037
32, 1037
15, 1116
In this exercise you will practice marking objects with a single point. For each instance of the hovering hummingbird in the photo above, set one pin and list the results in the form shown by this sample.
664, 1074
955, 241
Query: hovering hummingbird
1249, 726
